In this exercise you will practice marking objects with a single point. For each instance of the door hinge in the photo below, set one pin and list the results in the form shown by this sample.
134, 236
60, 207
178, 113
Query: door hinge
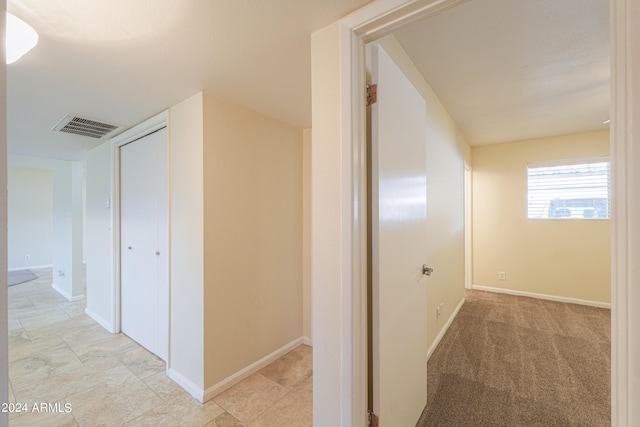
373, 419
372, 95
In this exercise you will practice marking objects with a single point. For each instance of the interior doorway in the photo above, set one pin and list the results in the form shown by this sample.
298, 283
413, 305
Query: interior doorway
465, 171
358, 29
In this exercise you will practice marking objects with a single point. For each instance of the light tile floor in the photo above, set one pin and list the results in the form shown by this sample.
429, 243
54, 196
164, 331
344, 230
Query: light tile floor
61, 357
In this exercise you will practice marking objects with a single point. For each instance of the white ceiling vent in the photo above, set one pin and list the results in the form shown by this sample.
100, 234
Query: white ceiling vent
86, 127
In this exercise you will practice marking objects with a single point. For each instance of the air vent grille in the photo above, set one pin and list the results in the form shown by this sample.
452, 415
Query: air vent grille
86, 127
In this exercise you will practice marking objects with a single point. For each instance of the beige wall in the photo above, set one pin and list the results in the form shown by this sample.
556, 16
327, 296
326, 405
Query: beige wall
186, 189
236, 240
446, 151
568, 259
253, 237
306, 234
30, 216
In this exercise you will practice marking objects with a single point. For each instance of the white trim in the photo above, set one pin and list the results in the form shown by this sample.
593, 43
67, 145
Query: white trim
543, 296
138, 131
307, 341
115, 237
383, 17
68, 296
234, 379
568, 162
444, 330
169, 222
206, 395
190, 387
625, 207
355, 234
100, 321
33, 267
366, 24
142, 129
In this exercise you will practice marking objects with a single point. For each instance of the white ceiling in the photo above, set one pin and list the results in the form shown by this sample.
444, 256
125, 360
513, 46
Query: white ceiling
508, 70
533, 68
122, 61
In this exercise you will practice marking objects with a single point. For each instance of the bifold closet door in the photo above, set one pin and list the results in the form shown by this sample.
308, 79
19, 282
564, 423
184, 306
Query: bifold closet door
144, 277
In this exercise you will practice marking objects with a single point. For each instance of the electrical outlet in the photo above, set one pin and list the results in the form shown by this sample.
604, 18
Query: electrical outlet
502, 275
27, 257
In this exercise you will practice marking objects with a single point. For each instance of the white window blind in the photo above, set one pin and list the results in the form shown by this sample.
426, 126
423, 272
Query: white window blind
569, 190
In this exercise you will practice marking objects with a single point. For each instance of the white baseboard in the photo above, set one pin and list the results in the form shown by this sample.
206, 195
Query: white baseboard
99, 320
544, 296
30, 267
250, 370
188, 385
307, 341
444, 329
205, 395
66, 295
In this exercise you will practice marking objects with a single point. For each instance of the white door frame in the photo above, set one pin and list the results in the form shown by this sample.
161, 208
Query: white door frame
374, 21
154, 123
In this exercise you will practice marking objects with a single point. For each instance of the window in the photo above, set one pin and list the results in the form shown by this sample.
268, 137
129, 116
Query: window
567, 189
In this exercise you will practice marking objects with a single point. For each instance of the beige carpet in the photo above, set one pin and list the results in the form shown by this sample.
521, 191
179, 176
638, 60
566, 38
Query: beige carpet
517, 361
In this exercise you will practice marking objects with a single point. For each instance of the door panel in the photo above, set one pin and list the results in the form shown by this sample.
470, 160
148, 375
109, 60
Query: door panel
144, 242
399, 245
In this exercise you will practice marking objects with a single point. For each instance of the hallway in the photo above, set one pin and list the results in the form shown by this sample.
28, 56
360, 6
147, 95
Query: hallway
58, 355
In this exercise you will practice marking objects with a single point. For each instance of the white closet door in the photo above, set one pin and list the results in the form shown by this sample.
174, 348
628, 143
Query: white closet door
144, 241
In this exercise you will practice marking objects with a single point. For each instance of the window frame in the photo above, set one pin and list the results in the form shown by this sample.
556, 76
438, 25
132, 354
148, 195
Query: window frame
569, 162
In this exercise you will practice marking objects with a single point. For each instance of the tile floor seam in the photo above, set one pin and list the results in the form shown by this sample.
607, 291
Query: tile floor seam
77, 355
162, 401
71, 350
24, 330
275, 402
128, 369
257, 416
223, 407
289, 390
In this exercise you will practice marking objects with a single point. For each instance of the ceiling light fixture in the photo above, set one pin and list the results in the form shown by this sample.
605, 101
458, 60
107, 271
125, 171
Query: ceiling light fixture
20, 39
